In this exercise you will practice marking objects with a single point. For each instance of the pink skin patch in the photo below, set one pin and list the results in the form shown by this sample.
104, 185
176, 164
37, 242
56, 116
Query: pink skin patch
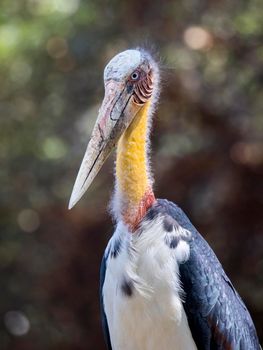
146, 202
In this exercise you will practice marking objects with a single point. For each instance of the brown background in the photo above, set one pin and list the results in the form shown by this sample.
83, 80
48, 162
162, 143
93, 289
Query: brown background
206, 145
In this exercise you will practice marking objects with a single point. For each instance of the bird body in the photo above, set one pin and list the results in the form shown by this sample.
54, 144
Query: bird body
162, 286
142, 292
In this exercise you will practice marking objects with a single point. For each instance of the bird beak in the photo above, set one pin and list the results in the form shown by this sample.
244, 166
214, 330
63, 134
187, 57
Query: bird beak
116, 112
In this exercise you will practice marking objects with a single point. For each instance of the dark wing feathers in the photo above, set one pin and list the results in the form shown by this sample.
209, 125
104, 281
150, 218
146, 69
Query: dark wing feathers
217, 316
105, 327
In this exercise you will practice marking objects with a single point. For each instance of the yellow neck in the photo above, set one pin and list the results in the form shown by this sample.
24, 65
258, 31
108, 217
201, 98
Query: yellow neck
134, 185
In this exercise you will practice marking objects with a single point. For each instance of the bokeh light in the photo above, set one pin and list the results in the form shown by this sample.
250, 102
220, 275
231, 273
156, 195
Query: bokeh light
28, 220
17, 323
54, 147
198, 38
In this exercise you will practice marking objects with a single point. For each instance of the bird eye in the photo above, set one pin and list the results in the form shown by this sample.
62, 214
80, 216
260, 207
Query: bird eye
135, 76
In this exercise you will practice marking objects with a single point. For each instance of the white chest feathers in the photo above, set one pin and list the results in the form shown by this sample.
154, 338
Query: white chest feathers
141, 291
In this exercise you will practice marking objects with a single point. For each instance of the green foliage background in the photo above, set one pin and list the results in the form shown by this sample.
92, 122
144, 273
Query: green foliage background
207, 149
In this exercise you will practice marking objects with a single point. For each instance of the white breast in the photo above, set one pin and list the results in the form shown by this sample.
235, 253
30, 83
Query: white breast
141, 292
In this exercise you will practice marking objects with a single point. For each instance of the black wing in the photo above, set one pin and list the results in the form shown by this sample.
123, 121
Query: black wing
217, 316
104, 321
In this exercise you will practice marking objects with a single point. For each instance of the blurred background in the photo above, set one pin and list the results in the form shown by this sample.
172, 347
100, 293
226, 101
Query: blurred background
207, 150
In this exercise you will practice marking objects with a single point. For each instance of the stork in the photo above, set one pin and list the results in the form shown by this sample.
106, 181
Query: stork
162, 286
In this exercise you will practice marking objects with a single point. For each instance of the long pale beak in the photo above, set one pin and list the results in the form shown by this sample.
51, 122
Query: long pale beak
115, 115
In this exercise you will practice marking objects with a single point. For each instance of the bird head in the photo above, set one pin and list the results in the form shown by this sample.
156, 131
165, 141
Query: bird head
129, 81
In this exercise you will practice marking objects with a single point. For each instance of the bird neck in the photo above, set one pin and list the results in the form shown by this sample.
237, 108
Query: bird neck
134, 194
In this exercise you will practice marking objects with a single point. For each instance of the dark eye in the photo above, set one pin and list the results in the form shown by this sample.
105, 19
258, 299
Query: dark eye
135, 76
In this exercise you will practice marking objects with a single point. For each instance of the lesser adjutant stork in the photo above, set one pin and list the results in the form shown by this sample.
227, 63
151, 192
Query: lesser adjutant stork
162, 287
